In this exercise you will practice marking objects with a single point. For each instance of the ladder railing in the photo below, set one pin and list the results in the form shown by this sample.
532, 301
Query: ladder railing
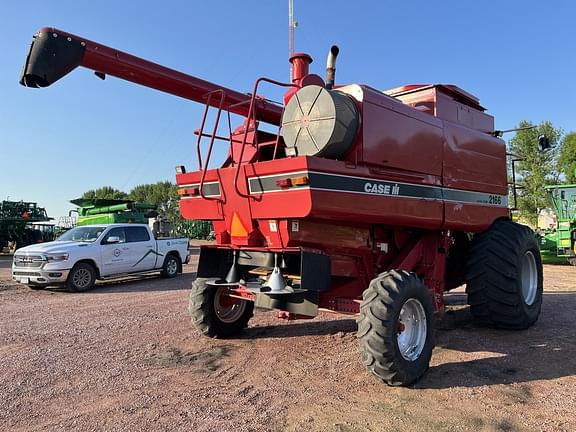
249, 125
252, 117
213, 136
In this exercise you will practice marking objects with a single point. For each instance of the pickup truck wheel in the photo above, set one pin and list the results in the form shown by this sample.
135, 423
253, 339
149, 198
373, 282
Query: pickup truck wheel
216, 315
171, 266
82, 277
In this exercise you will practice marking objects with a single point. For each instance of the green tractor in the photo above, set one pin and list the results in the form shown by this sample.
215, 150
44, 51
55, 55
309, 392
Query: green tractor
558, 238
109, 211
21, 224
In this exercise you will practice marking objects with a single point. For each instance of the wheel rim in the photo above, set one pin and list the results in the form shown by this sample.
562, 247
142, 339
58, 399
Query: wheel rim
529, 278
172, 266
228, 310
81, 278
412, 330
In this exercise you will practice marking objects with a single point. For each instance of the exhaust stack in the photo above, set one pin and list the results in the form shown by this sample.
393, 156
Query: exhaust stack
331, 66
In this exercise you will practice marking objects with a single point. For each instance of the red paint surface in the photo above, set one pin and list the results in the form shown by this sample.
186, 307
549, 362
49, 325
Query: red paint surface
427, 135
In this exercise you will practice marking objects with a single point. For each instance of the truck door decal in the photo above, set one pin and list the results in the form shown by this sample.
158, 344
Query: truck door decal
151, 251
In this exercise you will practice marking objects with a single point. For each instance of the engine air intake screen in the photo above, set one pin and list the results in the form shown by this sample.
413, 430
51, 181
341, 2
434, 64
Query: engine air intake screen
319, 122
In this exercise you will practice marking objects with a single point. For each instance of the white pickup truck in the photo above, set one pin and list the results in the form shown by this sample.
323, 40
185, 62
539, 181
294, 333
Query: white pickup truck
87, 253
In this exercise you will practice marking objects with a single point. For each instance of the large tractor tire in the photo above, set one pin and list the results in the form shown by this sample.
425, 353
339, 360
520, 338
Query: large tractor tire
82, 277
216, 315
504, 277
396, 327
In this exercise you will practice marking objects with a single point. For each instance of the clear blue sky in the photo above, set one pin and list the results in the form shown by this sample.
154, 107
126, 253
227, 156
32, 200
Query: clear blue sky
517, 56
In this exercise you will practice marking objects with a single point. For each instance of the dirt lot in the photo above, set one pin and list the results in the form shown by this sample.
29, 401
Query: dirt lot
124, 357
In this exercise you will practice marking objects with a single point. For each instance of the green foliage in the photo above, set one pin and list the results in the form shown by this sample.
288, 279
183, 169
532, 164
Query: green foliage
105, 192
193, 229
536, 169
164, 195
567, 158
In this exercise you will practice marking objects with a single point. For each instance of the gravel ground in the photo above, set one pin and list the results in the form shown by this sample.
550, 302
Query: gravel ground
124, 357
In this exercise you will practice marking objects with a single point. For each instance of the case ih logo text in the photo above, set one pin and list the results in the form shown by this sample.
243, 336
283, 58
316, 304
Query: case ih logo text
381, 189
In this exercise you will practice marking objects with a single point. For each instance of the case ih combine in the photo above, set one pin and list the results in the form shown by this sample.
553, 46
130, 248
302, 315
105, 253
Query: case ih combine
366, 202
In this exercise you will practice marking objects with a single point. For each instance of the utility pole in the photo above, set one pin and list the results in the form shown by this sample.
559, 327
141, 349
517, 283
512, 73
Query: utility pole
291, 27
292, 23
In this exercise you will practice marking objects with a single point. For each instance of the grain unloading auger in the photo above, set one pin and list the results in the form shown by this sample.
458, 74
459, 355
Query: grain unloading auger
366, 202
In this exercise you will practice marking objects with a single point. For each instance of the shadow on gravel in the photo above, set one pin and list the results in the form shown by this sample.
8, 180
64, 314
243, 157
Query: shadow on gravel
545, 351
310, 328
137, 284
144, 284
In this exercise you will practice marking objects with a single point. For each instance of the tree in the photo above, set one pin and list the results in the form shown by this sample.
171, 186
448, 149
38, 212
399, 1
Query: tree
163, 194
537, 168
104, 192
567, 158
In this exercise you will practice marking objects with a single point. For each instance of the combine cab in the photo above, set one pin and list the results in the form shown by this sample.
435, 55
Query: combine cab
364, 202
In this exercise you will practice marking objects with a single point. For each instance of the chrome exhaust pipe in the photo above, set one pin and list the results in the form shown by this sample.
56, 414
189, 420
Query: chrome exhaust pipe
331, 66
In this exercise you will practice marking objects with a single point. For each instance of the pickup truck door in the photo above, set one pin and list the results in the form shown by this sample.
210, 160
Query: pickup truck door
114, 252
142, 249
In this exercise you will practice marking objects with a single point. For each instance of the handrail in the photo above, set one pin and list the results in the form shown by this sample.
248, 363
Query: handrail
212, 138
252, 113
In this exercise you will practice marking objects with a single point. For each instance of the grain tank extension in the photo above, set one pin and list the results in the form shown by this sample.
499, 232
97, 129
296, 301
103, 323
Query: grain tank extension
365, 202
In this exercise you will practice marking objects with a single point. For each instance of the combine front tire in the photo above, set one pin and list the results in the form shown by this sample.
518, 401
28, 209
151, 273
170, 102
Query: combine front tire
504, 277
395, 327
216, 315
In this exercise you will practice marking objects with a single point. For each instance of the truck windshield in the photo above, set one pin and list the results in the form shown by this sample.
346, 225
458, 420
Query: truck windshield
82, 234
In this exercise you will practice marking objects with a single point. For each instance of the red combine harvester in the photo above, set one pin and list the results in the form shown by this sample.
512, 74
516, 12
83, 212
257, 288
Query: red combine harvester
365, 202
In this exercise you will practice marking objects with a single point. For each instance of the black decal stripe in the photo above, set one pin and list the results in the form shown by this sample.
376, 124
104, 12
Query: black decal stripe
370, 186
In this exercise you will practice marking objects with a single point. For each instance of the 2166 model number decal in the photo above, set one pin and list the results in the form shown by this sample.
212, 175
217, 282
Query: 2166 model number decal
494, 199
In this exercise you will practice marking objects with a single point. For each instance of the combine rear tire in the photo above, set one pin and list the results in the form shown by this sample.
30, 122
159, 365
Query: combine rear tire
216, 315
504, 277
82, 277
395, 327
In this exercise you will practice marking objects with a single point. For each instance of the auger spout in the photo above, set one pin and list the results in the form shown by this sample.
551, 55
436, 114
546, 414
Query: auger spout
54, 54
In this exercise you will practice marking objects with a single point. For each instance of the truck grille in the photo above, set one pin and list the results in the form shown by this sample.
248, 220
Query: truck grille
22, 273
28, 260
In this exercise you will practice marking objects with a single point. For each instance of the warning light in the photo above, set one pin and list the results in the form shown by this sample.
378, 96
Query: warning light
300, 181
284, 183
189, 192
